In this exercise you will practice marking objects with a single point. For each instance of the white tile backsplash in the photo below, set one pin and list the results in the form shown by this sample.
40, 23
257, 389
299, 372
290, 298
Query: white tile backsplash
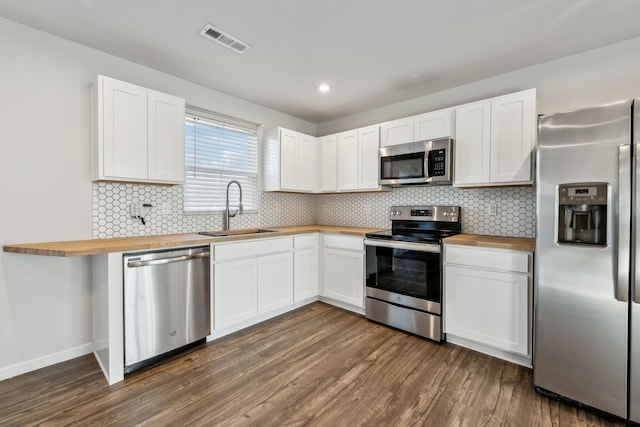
515, 216
111, 216
111, 212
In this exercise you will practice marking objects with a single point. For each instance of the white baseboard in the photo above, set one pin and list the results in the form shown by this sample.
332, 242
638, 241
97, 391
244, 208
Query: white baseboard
491, 351
44, 361
349, 307
258, 319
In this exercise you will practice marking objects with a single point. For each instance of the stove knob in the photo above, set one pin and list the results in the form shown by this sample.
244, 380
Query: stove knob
399, 212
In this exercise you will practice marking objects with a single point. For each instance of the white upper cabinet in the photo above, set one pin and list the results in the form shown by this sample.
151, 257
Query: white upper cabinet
165, 141
307, 163
358, 164
348, 160
473, 143
513, 128
436, 124
138, 134
369, 166
328, 163
396, 132
495, 141
289, 161
432, 125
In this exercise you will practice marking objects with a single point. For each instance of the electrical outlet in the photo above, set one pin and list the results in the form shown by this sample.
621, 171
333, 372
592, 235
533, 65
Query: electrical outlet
367, 209
166, 208
492, 210
135, 209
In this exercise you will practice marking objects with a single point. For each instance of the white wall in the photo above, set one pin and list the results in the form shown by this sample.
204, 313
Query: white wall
45, 187
590, 78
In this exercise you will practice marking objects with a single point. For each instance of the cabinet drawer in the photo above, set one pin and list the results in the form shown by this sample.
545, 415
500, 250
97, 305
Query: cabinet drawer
251, 248
305, 241
344, 242
494, 259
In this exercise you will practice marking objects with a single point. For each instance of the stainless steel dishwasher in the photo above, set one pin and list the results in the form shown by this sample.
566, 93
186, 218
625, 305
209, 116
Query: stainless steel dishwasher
166, 303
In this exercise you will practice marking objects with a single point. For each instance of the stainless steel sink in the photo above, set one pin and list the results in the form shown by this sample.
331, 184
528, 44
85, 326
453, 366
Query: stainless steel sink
212, 234
235, 232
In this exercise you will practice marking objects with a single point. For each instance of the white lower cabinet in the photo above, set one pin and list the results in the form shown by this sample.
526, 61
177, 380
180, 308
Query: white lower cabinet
343, 270
305, 267
275, 282
254, 280
488, 300
235, 292
251, 278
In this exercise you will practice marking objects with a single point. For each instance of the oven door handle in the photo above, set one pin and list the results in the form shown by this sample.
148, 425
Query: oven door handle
420, 247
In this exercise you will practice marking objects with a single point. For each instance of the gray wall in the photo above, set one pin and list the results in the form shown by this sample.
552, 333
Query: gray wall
47, 195
590, 78
45, 186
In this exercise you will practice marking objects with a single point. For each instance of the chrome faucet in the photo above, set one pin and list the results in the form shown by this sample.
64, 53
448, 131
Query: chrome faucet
227, 212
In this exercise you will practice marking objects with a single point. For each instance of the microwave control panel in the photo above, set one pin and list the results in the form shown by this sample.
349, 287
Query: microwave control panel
437, 162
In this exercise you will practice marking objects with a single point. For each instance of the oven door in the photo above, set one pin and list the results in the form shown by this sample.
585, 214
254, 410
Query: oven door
405, 273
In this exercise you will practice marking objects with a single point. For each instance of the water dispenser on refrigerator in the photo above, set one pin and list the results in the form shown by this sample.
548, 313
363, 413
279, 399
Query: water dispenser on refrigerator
582, 213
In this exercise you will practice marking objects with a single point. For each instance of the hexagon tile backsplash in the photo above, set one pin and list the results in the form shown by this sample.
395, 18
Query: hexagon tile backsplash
515, 208
111, 211
515, 214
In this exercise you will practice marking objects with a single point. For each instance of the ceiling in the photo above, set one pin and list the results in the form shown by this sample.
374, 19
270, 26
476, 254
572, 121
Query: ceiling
372, 52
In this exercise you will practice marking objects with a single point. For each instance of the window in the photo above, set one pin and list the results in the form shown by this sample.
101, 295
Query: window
218, 150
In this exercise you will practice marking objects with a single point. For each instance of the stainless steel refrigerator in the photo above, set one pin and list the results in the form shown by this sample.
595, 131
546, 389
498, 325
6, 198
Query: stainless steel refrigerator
587, 261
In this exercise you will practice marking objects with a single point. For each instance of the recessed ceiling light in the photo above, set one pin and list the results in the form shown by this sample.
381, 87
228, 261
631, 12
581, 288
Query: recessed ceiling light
324, 87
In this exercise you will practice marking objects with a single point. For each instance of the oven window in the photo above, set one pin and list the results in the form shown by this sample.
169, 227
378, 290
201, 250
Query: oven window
407, 272
404, 166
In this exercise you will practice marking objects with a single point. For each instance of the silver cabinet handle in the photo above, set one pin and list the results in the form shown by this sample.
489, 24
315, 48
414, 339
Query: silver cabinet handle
420, 247
635, 286
623, 232
161, 261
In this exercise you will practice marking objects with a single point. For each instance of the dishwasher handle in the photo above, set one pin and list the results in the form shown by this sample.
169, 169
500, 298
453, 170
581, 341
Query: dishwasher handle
133, 264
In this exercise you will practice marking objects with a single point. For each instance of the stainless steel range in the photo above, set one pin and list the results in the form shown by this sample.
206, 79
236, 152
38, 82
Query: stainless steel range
404, 269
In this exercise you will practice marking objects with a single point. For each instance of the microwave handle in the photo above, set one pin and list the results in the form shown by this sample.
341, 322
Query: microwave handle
427, 173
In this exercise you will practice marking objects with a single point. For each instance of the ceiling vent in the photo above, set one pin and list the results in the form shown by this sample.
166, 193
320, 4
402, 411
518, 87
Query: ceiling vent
224, 39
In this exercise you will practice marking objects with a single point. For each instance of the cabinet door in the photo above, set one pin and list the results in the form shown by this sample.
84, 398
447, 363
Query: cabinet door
124, 129
329, 163
369, 167
306, 163
348, 160
396, 132
288, 159
305, 274
488, 307
235, 292
165, 137
275, 282
437, 124
473, 144
343, 276
513, 124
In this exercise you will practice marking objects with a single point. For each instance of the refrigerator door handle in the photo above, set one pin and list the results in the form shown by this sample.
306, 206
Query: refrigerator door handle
623, 235
635, 286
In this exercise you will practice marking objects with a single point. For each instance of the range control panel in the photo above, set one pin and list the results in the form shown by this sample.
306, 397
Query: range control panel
425, 213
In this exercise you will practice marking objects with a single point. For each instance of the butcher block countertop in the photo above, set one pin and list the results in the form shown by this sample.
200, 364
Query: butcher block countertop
126, 244
514, 243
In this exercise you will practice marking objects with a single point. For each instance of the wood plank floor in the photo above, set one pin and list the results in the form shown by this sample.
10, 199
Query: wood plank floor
319, 365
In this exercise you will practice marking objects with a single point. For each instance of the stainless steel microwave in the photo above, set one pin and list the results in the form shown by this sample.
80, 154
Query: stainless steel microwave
423, 162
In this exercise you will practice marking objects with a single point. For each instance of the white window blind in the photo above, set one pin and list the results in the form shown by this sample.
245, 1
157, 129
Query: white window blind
216, 152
